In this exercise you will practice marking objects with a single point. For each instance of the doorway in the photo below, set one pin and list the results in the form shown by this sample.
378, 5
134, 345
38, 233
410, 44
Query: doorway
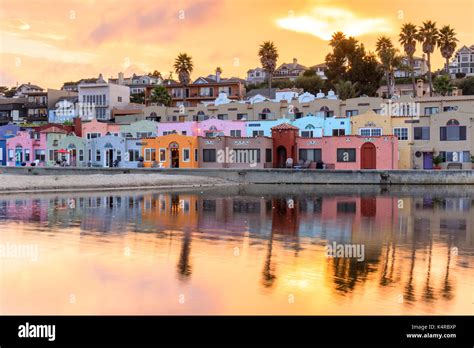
281, 157
109, 158
427, 160
368, 156
174, 158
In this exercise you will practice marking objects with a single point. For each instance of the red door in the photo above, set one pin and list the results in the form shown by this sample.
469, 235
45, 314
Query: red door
368, 156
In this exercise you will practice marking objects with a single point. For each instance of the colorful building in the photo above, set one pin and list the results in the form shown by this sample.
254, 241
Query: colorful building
55, 153
95, 129
26, 148
75, 150
139, 130
3, 152
348, 152
231, 152
206, 128
171, 151
106, 151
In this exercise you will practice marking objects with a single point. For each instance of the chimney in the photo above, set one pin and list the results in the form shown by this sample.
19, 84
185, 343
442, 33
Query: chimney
419, 88
218, 76
120, 78
295, 62
77, 123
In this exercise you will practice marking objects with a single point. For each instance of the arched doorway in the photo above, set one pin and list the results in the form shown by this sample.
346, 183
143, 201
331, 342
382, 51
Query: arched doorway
368, 156
281, 157
174, 149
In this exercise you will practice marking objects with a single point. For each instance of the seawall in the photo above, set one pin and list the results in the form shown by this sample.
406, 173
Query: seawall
277, 176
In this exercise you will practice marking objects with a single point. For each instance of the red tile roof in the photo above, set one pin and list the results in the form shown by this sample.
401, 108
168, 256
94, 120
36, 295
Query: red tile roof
284, 126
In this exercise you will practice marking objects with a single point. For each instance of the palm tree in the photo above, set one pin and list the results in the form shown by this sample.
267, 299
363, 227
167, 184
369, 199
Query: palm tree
428, 37
160, 95
442, 85
346, 89
268, 54
390, 60
408, 37
183, 66
447, 44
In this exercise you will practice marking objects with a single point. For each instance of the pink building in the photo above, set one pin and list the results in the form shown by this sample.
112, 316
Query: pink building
26, 148
208, 128
96, 129
350, 152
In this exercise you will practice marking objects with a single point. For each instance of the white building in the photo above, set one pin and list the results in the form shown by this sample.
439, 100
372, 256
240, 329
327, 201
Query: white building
463, 62
101, 97
136, 83
257, 75
420, 67
320, 70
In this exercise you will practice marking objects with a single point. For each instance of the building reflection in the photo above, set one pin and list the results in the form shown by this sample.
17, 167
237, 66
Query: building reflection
401, 234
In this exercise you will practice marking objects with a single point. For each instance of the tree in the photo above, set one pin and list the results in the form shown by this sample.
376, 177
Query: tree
407, 38
183, 66
447, 44
138, 98
390, 60
268, 54
349, 61
442, 85
160, 95
428, 37
156, 74
467, 86
346, 89
311, 84
309, 73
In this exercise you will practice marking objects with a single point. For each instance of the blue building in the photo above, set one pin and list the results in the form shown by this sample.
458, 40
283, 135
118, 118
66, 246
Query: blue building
310, 126
3, 152
9, 131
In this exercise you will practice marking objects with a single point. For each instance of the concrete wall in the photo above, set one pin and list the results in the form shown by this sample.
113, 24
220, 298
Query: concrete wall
279, 176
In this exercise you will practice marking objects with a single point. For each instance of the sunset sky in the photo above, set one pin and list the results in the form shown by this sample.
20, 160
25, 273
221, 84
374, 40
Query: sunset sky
48, 42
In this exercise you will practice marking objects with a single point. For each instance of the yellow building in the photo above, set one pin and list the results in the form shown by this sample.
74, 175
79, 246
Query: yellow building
372, 124
171, 151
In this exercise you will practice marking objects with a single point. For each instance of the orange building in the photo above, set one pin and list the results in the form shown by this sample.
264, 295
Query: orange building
171, 151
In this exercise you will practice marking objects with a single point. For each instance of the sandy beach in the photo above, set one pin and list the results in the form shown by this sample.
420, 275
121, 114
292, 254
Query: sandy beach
47, 183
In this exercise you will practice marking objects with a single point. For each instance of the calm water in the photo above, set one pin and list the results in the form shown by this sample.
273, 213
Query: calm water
239, 250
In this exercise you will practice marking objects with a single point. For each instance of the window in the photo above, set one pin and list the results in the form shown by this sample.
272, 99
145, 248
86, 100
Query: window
11, 155
27, 155
350, 113
338, 132
40, 155
184, 133
258, 133
461, 156
421, 133
450, 108
119, 99
453, 131
89, 155
51, 155
81, 155
209, 155
133, 155
268, 155
97, 156
346, 155
186, 155
119, 155
306, 134
236, 133
370, 132
241, 116
313, 155
162, 155
93, 135
55, 142
141, 135
431, 110
196, 155
150, 155
401, 133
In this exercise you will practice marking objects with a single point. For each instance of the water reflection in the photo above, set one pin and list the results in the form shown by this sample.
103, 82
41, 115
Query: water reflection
418, 246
